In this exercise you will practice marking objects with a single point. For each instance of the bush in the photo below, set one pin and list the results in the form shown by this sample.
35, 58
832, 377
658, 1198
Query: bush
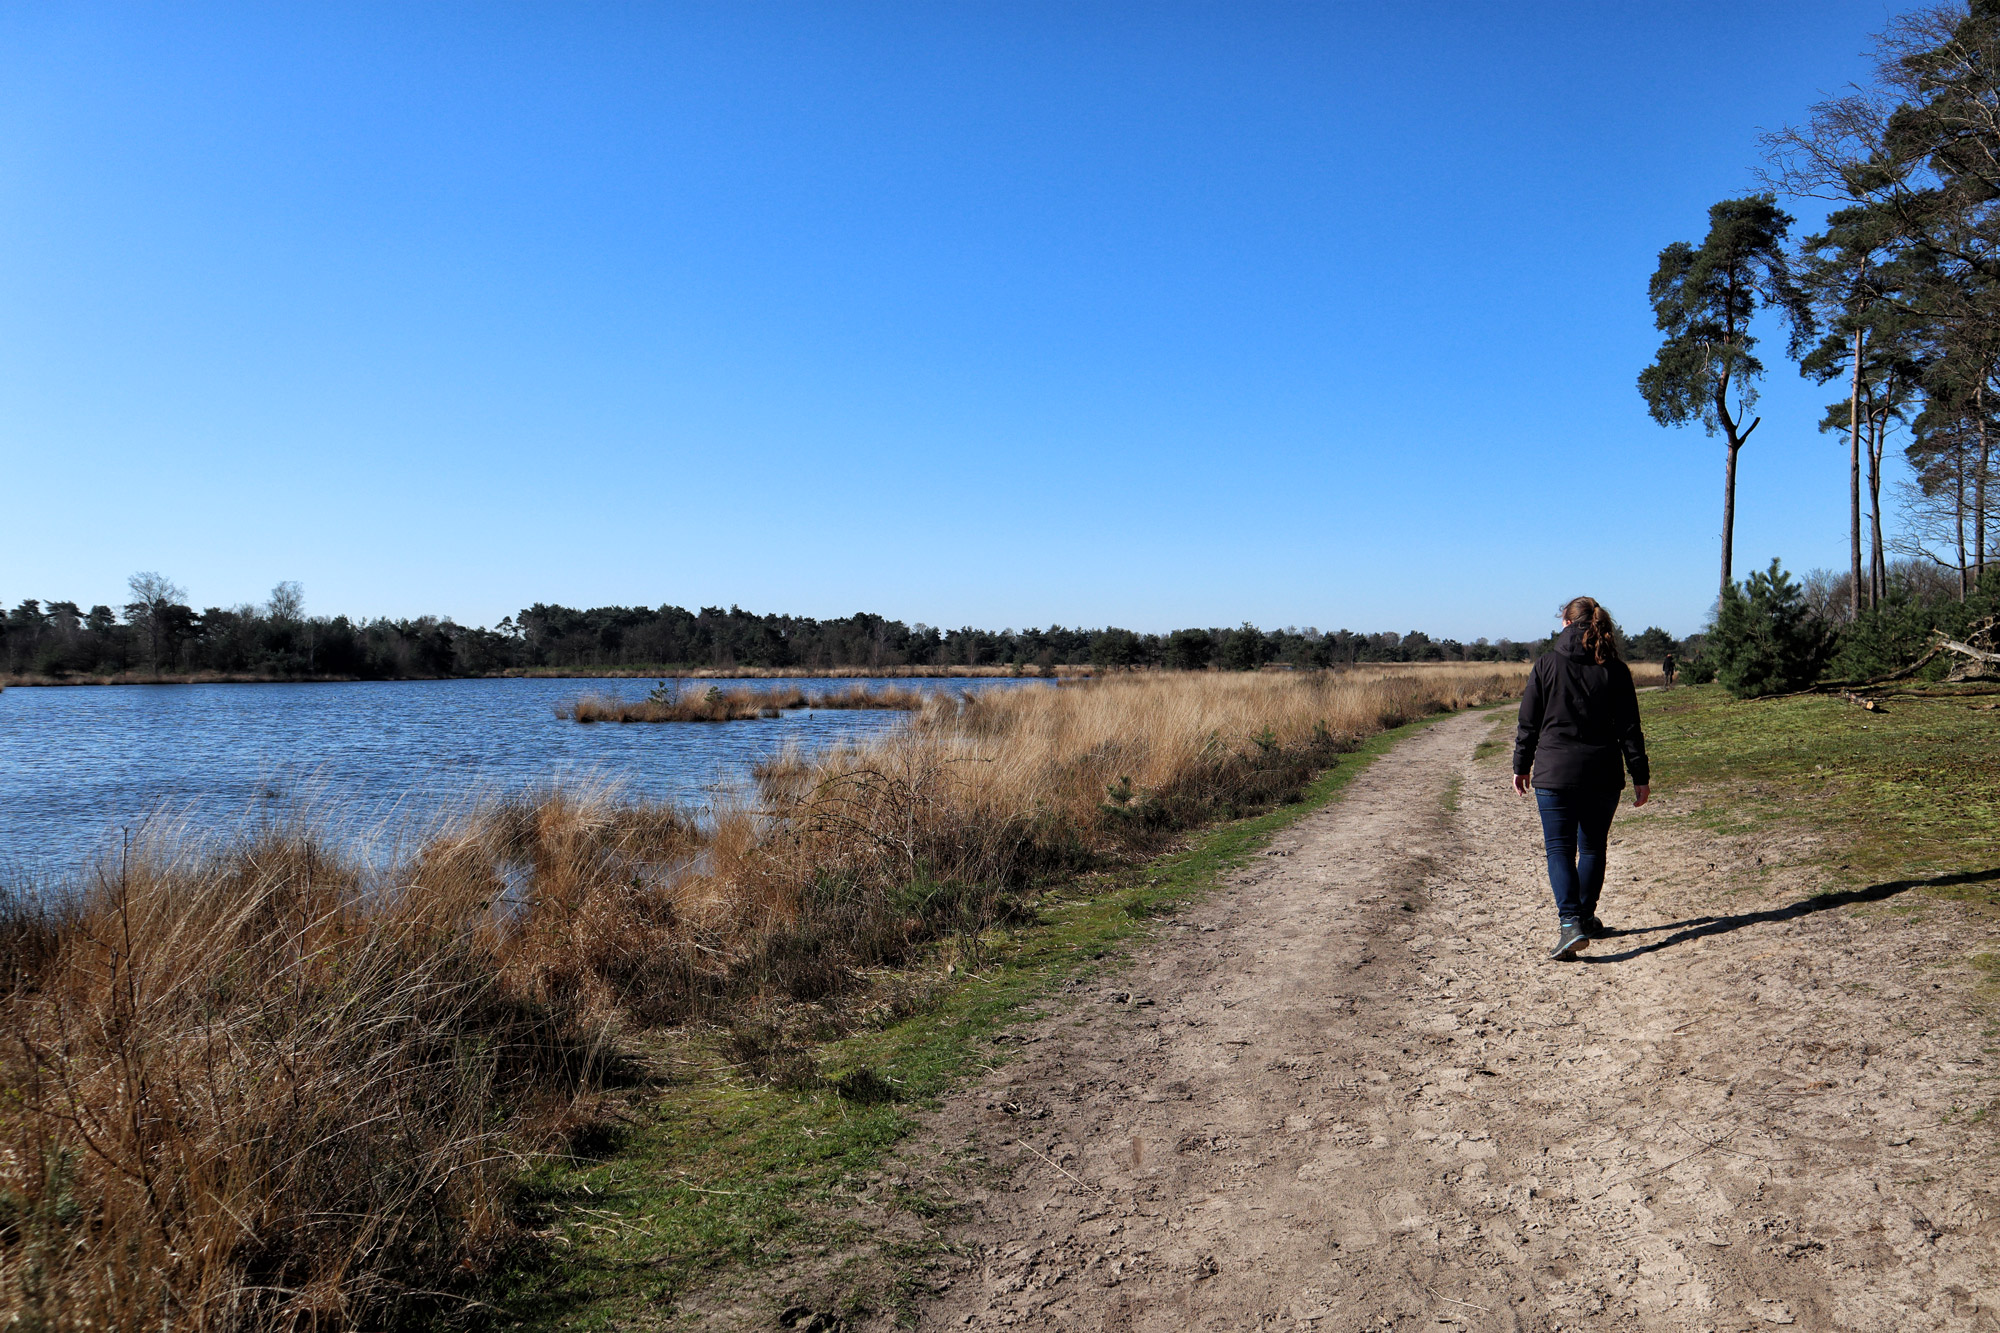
1765, 639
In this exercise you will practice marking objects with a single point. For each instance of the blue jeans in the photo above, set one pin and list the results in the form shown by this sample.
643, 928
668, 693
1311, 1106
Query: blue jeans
1576, 824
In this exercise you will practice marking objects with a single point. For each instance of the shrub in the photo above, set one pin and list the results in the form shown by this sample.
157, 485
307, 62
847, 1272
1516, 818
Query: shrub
1765, 639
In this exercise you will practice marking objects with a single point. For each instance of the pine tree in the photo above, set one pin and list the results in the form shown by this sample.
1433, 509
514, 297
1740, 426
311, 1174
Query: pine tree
1704, 300
1765, 639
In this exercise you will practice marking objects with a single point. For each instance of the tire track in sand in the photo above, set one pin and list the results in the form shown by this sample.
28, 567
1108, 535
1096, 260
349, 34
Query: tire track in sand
1350, 1093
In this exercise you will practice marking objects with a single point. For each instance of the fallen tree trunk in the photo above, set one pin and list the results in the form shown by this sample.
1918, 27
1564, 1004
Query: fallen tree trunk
1833, 686
1977, 654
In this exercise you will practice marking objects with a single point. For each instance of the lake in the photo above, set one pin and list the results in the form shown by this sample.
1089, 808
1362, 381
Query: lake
79, 764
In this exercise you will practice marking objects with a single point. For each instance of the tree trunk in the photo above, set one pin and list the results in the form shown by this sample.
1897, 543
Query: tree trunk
1878, 568
1958, 500
1735, 440
1979, 489
1728, 510
1854, 484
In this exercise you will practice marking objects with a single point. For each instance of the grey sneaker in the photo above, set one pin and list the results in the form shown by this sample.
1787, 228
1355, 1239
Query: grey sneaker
1596, 929
1568, 942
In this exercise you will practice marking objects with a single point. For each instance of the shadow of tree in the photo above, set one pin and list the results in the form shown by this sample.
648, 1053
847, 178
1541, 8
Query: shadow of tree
1701, 927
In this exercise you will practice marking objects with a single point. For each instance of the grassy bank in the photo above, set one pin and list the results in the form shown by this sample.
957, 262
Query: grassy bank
276, 1085
1908, 791
715, 704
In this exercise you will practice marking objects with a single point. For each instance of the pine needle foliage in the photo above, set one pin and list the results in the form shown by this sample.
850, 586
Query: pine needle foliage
1766, 639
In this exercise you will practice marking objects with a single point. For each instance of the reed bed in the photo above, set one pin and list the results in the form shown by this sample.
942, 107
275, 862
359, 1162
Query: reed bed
276, 1086
668, 704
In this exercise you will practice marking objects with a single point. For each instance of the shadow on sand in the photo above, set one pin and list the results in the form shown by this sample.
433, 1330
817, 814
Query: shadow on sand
1701, 927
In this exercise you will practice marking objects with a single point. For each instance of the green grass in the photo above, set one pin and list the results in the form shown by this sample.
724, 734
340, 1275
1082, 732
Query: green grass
718, 1174
1911, 792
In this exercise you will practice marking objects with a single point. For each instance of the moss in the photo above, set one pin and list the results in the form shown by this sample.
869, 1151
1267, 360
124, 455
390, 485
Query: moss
1909, 791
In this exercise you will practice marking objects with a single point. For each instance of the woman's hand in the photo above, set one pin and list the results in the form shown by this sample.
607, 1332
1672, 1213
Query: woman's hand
1641, 794
1520, 784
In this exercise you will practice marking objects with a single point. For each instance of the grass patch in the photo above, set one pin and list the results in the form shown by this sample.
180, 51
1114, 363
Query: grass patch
1908, 792
720, 1171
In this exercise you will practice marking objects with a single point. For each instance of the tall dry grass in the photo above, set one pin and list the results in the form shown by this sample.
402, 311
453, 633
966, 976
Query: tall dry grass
715, 704
275, 1086
271, 1086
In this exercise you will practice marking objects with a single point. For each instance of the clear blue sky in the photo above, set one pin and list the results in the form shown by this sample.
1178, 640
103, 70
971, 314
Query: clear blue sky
1001, 314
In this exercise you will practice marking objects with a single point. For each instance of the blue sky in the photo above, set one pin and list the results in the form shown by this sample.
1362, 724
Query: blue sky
994, 314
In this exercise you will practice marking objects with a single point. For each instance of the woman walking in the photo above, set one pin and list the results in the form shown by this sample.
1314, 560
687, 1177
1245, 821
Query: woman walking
1579, 732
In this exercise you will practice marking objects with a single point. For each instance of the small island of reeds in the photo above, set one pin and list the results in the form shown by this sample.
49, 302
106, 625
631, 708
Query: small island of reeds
668, 702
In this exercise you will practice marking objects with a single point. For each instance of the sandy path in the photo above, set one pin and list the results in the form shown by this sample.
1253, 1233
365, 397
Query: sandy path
1351, 1094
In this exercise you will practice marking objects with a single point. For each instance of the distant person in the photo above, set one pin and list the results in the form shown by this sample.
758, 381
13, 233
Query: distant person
1579, 732
1667, 665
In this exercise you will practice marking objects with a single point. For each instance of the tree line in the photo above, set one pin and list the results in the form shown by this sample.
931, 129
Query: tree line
619, 635
159, 632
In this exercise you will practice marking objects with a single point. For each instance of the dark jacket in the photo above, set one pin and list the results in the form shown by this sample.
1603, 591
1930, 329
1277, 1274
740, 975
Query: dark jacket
1578, 719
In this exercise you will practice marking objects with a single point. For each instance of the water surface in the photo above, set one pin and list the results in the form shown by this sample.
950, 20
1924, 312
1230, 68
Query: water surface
80, 764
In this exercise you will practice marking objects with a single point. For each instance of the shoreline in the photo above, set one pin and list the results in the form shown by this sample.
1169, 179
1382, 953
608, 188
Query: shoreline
1065, 671
567, 673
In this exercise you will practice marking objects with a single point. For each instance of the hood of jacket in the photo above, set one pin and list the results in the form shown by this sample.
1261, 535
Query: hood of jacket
1570, 644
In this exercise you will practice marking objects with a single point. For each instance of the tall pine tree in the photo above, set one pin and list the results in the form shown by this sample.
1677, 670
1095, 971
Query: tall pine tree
1704, 299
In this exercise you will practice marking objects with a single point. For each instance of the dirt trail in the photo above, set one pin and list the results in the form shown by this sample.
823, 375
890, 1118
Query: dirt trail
1351, 1093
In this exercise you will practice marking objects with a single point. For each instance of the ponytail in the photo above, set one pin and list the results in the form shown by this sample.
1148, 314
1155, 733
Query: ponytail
1600, 636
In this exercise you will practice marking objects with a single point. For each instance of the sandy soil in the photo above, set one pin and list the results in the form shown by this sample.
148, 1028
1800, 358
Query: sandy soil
1352, 1093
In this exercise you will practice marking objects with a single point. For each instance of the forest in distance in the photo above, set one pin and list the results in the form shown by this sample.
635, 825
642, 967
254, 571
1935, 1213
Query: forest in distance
158, 633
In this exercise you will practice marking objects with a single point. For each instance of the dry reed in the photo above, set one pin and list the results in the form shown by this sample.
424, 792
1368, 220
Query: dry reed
667, 704
799, 673
271, 1086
